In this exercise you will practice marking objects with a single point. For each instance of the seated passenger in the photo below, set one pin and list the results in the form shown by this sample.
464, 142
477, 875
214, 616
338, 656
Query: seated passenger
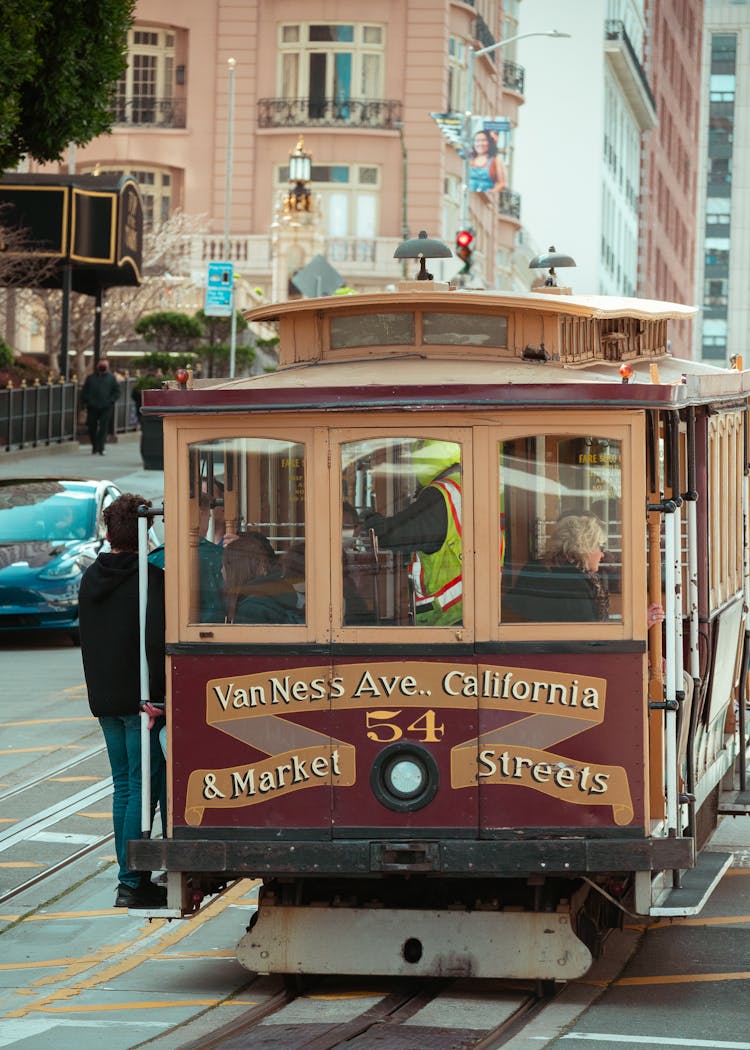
565, 586
211, 609
255, 591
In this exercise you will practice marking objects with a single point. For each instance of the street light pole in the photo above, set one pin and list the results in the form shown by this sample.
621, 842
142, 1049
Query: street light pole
231, 63
467, 143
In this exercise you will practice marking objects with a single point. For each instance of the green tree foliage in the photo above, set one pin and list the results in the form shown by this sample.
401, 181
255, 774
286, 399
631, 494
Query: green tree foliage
171, 332
218, 329
59, 61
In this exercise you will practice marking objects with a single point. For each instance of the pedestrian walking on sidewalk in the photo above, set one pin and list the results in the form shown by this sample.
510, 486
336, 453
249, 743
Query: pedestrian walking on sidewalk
100, 392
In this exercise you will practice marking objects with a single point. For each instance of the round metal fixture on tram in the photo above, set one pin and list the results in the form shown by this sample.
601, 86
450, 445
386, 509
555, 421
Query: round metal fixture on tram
404, 777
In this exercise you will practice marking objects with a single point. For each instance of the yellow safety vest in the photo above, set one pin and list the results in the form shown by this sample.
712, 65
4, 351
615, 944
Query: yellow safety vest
436, 578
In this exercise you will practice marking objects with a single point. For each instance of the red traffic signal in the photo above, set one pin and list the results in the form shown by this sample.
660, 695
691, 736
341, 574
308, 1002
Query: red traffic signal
464, 240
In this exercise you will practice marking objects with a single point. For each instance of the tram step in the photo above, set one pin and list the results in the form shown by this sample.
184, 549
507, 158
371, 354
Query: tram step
735, 804
698, 884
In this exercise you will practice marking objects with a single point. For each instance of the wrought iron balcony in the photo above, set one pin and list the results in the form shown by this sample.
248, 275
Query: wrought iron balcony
514, 77
147, 111
328, 113
509, 204
614, 29
484, 36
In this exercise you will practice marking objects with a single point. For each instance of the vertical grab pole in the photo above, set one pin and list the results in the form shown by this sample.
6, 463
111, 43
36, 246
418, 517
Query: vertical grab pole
691, 497
143, 663
670, 714
742, 715
672, 734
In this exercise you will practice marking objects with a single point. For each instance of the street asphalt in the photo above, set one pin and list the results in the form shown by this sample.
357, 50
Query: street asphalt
120, 464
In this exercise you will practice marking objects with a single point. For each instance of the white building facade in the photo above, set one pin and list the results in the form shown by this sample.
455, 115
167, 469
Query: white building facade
578, 151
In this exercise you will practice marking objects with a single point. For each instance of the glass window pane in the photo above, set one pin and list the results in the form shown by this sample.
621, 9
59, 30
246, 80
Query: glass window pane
247, 531
372, 330
401, 544
343, 34
561, 521
366, 205
465, 330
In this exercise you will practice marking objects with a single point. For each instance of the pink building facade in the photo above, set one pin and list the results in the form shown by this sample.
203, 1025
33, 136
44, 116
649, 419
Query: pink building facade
360, 85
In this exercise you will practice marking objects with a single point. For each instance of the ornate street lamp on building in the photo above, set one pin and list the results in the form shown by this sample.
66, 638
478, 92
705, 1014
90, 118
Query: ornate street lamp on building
298, 198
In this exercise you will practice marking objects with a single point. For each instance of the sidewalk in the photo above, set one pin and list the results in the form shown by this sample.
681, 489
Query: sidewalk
121, 464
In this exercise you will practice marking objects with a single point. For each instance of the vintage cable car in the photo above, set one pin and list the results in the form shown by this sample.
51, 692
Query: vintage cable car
420, 740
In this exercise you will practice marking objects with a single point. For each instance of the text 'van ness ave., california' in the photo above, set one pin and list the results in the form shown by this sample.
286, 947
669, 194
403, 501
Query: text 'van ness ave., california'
416, 684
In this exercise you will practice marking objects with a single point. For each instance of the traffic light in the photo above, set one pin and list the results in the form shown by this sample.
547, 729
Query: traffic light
464, 241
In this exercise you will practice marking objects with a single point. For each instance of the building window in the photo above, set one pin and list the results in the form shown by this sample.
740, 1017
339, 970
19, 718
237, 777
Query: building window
330, 64
147, 85
456, 75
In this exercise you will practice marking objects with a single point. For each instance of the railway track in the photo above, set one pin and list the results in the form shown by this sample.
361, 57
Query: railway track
370, 1014
50, 832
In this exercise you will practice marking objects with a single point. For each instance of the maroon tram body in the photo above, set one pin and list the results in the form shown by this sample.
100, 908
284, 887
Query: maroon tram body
480, 794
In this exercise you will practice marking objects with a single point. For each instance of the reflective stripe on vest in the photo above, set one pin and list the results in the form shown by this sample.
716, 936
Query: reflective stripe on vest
445, 593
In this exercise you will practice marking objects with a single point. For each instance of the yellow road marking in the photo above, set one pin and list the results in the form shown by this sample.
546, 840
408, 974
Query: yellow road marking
21, 864
683, 978
148, 1005
690, 920
47, 747
45, 721
71, 780
97, 816
93, 913
7, 820
112, 962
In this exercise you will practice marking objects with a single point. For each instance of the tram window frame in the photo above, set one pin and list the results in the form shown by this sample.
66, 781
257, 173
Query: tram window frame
181, 532
437, 429
629, 430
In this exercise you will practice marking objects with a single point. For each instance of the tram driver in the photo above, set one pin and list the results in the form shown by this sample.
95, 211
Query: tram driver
430, 530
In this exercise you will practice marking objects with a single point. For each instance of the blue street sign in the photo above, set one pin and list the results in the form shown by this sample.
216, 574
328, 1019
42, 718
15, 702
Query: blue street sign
219, 290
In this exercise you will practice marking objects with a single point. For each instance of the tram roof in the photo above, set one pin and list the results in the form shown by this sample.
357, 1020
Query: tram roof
404, 383
593, 306
537, 348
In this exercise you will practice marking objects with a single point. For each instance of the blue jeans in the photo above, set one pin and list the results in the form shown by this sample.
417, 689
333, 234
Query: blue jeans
122, 735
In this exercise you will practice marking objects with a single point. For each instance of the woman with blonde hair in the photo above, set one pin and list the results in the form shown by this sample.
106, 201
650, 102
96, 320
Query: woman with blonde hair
565, 585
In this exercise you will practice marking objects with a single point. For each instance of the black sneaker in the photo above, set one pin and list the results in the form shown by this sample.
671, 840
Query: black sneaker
146, 895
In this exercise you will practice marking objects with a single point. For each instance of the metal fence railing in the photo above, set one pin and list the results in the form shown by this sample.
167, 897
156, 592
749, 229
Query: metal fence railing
34, 416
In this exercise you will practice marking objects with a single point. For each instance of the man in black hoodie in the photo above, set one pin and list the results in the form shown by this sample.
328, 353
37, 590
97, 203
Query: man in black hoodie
110, 648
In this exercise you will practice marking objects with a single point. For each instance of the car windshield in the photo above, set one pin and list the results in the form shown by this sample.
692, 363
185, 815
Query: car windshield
29, 511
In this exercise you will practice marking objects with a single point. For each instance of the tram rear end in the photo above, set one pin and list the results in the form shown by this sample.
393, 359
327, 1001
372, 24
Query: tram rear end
441, 756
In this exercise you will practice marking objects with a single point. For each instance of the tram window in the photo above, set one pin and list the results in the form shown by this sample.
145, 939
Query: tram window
465, 330
401, 550
254, 488
561, 529
396, 329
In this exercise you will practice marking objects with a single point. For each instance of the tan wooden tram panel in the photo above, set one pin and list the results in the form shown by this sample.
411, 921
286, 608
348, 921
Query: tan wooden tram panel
556, 402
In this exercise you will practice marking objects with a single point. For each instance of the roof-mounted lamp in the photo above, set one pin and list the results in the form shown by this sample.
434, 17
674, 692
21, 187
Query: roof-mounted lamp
549, 261
422, 247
